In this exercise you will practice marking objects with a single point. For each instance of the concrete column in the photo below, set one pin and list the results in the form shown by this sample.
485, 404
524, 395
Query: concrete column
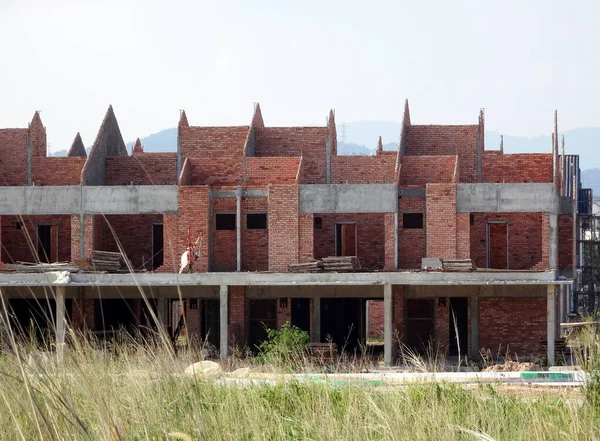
474, 311
316, 320
223, 320
551, 320
388, 326
238, 226
60, 317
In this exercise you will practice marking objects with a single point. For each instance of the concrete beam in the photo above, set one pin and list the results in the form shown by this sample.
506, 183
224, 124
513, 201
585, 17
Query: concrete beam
474, 312
509, 278
348, 198
224, 321
233, 193
78, 200
507, 198
551, 322
388, 326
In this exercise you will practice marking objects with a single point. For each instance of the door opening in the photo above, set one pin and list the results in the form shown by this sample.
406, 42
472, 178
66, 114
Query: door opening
458, 332
419, 323
301, 314
345, 240
157, 245
47, 243
210, 322
263, 316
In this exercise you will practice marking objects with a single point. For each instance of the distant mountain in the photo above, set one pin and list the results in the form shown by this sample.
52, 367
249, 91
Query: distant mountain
163, 141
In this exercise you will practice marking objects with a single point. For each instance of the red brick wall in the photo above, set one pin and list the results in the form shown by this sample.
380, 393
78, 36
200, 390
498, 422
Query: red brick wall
82, 314
57, 171
375, 319
370, 229
308, 142
529, 167
411, 242
421, 170
193, 212
514, 323
224, 241
362, 169
142, 169
134, 233
13, 156
446, 140
21, 245
237, 316
463, 236
88, 236
255, 243
38, 136
526, 237
442, 324
389, 225
261, 172
200, 142
306, 242
441, 221
565, 241
216, 171
283, 226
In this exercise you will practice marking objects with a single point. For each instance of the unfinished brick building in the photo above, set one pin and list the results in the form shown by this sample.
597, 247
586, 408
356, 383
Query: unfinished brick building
255, 199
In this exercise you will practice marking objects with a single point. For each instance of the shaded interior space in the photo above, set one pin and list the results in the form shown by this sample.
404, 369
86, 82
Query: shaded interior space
420, 324
262, 316
343, 322
300, 314
129, 315
458, 326
34, 319
210, 322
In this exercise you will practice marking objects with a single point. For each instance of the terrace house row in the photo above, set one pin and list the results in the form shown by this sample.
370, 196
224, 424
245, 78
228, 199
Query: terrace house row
255, 199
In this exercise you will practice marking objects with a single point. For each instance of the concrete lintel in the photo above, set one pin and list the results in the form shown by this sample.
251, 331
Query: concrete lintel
232, 194
284, 279
419, 193
507, 198
348, 198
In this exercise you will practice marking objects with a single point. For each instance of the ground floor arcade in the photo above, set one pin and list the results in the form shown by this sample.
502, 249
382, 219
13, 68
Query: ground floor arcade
461, 313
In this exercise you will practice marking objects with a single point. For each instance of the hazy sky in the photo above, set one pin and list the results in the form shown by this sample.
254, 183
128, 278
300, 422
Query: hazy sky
298, 59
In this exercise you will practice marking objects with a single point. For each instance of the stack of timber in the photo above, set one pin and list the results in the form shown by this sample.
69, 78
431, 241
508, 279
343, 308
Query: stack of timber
458, 265
315, 266
327, 264
30, 267
337, 264
106, 261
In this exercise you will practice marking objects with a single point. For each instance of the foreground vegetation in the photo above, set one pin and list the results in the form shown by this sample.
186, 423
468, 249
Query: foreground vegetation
139, 392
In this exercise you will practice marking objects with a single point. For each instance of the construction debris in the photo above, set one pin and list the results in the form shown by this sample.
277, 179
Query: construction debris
458, 265
106, 261
327, 264
30, 267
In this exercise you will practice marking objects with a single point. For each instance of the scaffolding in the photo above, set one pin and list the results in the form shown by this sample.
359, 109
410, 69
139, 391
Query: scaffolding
586, 293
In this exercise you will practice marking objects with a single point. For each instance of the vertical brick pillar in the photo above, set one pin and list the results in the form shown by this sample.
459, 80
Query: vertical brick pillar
237, 316
441, 220
82, 314
193, 321
390, 241
463, 235
88, 236
442, 323
306, 247
283, 226
284, 314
